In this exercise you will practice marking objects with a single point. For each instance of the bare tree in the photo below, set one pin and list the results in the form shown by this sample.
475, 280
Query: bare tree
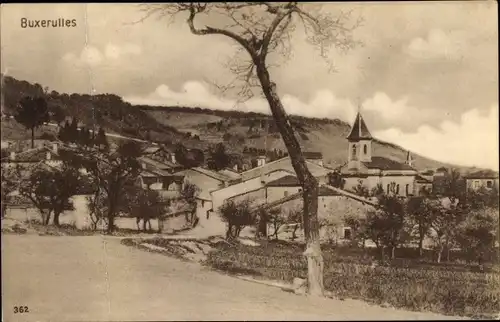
260, 29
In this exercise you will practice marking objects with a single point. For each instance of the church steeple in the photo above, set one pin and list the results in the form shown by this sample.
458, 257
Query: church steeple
360, 143
409, 159
359, 130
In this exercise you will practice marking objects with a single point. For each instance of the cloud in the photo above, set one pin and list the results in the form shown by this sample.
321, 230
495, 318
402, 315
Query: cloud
473, 141
437, 44
195, 94
92, 56
395, 111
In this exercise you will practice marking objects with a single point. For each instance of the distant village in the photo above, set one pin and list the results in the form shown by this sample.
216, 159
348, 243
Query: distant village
269, 183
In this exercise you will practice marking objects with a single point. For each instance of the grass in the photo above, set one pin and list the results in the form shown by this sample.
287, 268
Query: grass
455, 290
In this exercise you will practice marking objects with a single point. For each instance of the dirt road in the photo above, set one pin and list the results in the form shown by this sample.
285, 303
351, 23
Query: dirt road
97, 279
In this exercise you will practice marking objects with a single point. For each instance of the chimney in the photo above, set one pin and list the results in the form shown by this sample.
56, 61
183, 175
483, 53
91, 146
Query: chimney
172, 158
12, 155
54, 147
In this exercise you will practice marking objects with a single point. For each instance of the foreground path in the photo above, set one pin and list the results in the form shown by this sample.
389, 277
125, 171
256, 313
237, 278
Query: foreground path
96, 279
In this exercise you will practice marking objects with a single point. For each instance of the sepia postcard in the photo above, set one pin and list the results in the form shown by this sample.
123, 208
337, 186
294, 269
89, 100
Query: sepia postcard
250, 161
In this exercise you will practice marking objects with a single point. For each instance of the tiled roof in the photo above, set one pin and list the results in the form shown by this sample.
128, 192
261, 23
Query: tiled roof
286, 181
386, 164
421, 179
230, 174
312, 155
482, 174
156, 164
359, 129
212, 174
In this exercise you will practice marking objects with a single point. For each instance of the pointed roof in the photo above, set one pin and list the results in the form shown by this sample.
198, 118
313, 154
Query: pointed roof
359, 129
408, 156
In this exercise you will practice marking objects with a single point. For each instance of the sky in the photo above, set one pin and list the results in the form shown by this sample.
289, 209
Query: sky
425, 75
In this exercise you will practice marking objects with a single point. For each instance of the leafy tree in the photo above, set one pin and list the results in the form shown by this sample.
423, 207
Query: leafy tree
10, 183
377, 190
335, 179
360, 229
63, 133
189, 192
50, 191
261, 29
419, 210
31, 113
218, 159
97, 206
277, 219
144, 204
294, 216
113, 173
445, 222
478, 232
72, 131
361, 190
57, 114
237, 215
454, 186
181, 153
100, 140
386, 224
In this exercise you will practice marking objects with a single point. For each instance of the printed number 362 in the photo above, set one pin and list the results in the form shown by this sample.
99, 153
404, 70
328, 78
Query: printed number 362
21, 309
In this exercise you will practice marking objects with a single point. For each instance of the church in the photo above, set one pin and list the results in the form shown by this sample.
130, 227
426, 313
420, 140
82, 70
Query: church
362, 167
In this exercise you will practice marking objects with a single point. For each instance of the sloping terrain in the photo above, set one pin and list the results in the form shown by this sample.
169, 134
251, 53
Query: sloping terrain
194, 127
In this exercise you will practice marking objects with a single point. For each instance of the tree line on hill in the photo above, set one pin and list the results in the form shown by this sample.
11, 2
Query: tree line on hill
71, 133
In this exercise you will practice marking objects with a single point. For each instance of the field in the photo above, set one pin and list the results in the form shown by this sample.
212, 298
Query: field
452, 289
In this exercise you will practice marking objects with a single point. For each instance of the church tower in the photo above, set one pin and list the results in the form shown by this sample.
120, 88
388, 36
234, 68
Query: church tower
360, 143
409, 159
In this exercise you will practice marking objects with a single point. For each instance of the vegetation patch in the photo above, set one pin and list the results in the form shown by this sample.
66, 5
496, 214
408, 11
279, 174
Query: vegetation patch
455, 290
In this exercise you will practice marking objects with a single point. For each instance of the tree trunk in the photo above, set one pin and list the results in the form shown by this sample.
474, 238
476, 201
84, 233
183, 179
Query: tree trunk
393, 252
56, 219
144, 222
111, 220
308, 182
33, 137
447, 248
46, 218
421, 245
440, 251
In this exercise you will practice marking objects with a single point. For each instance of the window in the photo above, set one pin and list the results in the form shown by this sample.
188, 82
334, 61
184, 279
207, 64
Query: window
285, 193
347, 233
365, 149
397, 189
354, 152
407, 189
203, 203
388, 188
489, 184
476, 184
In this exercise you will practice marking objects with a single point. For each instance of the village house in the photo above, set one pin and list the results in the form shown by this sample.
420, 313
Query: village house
207, 181
482, 179
253, 184
333, 206
370, 171
30, 159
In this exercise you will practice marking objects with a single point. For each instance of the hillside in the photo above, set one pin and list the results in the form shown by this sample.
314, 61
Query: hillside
194, 127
